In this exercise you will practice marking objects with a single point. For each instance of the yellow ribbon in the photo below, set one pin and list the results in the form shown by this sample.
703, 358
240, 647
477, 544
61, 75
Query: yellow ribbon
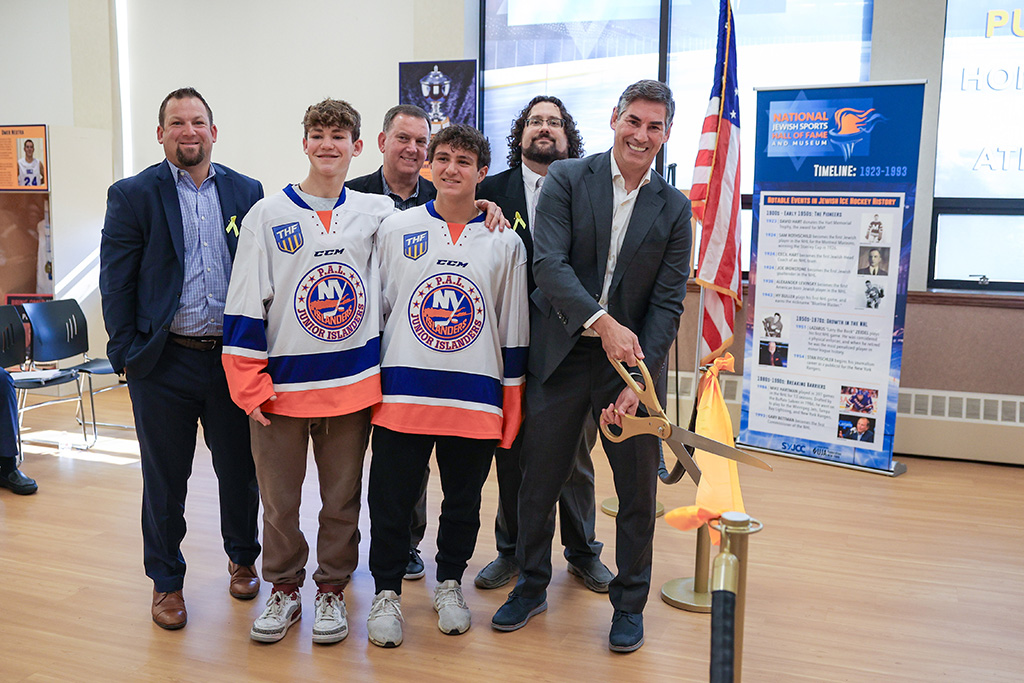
518, 222
231, 227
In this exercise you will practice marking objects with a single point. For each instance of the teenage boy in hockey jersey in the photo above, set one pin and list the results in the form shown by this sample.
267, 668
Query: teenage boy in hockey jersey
302, 358
302, 354
452, 369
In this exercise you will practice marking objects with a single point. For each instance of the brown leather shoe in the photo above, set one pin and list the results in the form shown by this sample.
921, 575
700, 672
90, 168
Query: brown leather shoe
169, 610
245, 585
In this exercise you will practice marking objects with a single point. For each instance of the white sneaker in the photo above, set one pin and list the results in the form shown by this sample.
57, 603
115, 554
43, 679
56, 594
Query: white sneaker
453, 617
331, 621
384, 625
283, 610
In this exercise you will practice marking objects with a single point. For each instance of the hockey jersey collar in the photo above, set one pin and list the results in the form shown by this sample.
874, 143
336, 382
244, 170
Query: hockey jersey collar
429, 206
294, 196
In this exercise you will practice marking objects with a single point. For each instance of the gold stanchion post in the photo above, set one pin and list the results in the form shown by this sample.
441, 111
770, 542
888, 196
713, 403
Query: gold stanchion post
691, 593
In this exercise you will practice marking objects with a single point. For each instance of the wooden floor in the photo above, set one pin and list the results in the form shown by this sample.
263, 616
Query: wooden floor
856, 577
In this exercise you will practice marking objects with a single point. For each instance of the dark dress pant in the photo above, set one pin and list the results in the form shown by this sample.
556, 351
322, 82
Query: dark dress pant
396, 474
583, 384
187, 387
8, 416
576, 508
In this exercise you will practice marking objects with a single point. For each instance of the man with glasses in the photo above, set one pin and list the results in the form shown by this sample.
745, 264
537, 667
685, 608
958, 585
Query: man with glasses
543, 133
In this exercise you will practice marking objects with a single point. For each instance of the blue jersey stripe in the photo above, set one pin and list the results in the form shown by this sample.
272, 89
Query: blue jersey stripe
318, 367
515, 361
245, 333
461, 386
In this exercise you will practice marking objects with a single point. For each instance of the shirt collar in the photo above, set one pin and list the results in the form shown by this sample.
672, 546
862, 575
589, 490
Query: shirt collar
617, 175
176, 171
530, 177
388, 192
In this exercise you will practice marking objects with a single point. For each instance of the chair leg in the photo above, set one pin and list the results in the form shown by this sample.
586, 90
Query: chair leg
120, 385
22, 398
81, 408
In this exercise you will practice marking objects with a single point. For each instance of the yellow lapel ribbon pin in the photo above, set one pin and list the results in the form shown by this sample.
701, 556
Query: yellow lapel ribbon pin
518, 222
232, 227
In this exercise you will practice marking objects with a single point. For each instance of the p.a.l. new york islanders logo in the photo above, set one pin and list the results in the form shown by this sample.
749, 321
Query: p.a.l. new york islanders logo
330, 301
446, 312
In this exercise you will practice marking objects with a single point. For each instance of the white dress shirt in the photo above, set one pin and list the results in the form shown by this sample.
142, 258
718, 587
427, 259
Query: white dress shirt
622, 210
531, 183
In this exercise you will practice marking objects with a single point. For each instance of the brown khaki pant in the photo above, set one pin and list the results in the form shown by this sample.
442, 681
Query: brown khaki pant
280, 452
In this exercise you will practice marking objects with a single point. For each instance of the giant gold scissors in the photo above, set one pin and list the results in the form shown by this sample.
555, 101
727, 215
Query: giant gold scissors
681, 441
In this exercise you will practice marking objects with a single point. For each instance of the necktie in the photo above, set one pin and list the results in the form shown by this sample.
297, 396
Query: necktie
533, 202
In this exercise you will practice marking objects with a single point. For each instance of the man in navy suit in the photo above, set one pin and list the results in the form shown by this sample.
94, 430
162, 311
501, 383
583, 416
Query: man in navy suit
543, 133
168, 240
611, 258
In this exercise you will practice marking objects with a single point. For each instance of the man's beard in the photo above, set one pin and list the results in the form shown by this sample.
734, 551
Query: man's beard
188, 160
544, 155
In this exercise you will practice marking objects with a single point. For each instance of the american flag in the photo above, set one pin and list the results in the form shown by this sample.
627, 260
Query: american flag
716, 198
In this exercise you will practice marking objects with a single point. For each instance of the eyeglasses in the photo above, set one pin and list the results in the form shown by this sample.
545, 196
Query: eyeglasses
535, 122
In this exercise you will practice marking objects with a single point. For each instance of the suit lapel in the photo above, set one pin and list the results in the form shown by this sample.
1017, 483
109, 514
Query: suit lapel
228, 207
172, 210
599, 188
649, 203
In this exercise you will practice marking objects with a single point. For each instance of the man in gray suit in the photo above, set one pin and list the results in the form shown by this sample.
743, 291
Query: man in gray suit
598, 219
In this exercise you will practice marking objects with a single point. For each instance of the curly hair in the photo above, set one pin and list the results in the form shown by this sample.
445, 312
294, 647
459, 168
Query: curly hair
466, 138
330, 114
515, 138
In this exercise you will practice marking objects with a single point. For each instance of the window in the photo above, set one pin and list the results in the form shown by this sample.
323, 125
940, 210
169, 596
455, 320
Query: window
978, 217
587, 52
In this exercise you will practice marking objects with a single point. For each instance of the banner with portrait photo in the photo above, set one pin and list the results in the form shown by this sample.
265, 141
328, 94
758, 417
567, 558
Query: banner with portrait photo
834, 195
26, 253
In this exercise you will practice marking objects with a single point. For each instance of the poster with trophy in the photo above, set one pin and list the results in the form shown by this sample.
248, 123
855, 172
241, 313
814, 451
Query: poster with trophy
445, 89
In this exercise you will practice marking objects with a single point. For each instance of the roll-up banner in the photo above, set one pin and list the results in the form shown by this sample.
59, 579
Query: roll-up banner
835, 177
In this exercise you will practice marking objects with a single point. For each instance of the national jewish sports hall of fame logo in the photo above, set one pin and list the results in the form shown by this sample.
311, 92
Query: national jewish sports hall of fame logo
330, 301
446, 312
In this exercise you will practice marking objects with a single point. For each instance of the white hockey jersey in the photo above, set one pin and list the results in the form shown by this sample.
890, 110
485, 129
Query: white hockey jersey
302, 318
456, 329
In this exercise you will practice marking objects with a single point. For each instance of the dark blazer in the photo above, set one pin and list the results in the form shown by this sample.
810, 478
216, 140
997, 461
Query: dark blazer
572, 237
506, 190
142, 258
374, 184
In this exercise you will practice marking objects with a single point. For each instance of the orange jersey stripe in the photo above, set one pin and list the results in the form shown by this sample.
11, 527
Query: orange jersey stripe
512, 414
249, 385
324, 402
439, 420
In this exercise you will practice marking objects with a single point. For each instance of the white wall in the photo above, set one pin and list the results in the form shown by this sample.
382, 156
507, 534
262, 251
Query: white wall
263, 62
56, 57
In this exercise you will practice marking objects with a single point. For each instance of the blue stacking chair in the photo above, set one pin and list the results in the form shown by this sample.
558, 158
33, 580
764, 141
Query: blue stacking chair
65, 333
12, 329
